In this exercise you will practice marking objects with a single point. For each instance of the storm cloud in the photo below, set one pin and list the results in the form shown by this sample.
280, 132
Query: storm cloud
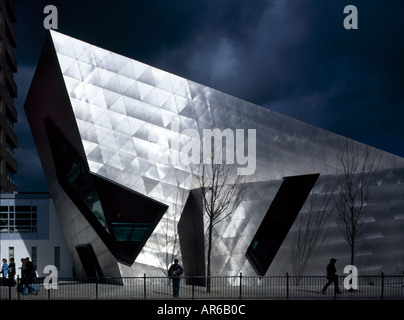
292, 56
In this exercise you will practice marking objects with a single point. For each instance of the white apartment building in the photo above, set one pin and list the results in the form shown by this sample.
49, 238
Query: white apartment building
29, 227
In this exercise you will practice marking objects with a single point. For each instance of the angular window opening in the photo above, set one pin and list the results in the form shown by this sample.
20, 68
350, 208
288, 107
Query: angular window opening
89, 262
279, 218
123, 218
131, 216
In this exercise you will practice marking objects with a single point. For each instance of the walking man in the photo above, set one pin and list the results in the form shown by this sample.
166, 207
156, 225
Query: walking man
11, 273
29, 276
175, 273
332, 277
20, 286
4, 271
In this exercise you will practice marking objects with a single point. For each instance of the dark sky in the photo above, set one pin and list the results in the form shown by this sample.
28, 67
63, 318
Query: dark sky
292, 56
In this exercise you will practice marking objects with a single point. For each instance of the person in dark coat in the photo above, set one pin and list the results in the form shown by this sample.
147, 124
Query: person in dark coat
175, 273
20, 287
332, 277
11, 273
28, 277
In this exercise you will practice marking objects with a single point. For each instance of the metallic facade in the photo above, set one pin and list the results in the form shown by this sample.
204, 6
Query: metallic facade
129, 123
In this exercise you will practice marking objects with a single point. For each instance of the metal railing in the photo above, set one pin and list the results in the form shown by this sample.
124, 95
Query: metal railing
221, 287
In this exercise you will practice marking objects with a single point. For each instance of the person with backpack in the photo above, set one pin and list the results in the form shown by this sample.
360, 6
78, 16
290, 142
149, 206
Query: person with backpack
175, 273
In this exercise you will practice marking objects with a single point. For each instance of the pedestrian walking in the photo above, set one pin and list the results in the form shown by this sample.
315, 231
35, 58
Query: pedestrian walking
28, 277
4, 271
175, 273
332, 277
20, 286
11, 273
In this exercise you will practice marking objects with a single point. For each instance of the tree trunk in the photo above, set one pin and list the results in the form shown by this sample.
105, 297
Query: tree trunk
209, 255
352, 251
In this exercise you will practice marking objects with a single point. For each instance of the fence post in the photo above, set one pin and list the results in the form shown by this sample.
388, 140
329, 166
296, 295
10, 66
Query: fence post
193, 287
382, 288
241, 281
96, 288
335, 292
144, 286
287, 286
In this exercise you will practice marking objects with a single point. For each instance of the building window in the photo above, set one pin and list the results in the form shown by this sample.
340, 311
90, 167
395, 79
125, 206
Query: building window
10, 148
26, 219
4, 219
34, 257
10, 174
11, 220
25, 214
9, 121
10, 253
57, 258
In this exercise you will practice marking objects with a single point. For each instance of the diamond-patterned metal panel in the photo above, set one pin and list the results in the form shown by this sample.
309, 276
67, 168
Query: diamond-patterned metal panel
134, 120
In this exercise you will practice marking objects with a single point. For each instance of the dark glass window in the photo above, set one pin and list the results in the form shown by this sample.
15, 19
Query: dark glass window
24, 219
57, 258
131, 217
74, 176
23, 208
34, 256
90, 263
10, 252
280, 216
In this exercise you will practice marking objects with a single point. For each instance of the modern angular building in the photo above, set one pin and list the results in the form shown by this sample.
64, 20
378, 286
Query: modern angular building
8, 91
120, 141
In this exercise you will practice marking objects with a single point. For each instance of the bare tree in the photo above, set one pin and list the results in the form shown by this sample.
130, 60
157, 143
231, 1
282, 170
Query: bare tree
222, 192
310, 232
356, 166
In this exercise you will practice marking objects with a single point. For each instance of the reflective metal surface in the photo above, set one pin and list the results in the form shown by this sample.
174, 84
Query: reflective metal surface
132, 120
